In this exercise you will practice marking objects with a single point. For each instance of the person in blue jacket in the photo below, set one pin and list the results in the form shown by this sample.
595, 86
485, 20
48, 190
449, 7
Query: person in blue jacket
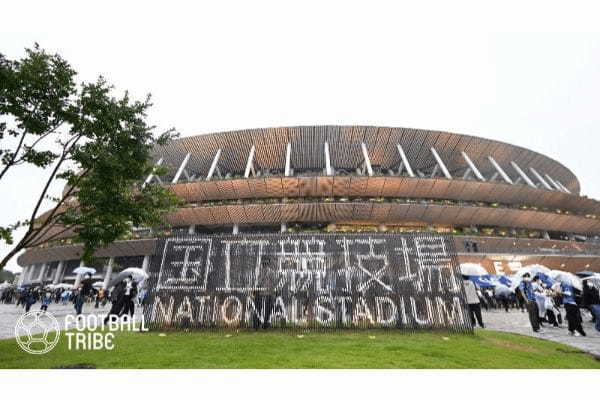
46, 300
573, 314
528, 292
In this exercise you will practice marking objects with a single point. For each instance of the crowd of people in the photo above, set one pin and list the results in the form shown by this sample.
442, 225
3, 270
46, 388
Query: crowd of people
123, 296
544, 302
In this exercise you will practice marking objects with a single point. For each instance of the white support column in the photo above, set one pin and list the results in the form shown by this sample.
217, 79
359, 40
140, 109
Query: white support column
149, 178
146, 263
58, 273
467, 173
249, 163
405, 161
108, 275
145, 266
213, 166
78, 276
522, 174
472, 167
181, 168
328, 169
439, 161
363, 146
540, 179
236, 229
288, 159
283, 227
42, 273
192, 229
24, 272
562, 186
31, 278
553, 182
500, 170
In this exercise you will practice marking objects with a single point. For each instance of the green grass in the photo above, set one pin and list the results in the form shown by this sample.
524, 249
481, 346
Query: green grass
275, 349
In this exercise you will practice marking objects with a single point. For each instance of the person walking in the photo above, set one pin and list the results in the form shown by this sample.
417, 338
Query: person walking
117, 297
528, 293
473, 301
46, 301
129, 295
84, 290
591, 301
29, 299
573, 314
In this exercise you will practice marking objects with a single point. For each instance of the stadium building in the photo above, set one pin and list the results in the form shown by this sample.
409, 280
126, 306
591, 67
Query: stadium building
506, 206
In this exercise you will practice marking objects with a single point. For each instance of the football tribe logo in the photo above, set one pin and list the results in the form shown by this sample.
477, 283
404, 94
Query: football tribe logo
37, 332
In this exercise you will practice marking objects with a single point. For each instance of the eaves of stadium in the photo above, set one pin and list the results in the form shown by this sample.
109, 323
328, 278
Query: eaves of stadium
505, 205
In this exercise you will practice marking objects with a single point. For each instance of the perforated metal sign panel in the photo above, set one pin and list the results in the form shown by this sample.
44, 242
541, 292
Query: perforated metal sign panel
303, 281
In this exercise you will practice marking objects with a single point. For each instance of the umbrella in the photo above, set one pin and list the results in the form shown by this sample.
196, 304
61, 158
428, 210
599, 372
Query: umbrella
84, 270
502, 280
472, 269
502, 290
51, 286
138, 275
585, 274
64, 286
566, 277
481, 282
593, 275
538, 268
97, 285
533, 270
5, 285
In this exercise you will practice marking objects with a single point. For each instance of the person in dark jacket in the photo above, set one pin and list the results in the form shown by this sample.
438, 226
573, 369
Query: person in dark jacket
29, 299
590, 298
85, 289
573, 314
528, 293
130, 292
117, 298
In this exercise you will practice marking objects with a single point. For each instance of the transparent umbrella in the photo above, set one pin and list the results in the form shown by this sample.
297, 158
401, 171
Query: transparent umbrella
567, 278
137, 274
84, 270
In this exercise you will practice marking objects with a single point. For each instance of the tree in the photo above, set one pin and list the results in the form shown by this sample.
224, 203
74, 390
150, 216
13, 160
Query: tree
6, 276
98, 145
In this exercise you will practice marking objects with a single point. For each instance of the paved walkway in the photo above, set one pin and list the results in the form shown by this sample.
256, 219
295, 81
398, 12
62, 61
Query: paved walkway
514, 321
517, 322
9, 314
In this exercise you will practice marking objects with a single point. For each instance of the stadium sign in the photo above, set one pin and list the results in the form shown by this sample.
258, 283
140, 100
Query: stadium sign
299, 281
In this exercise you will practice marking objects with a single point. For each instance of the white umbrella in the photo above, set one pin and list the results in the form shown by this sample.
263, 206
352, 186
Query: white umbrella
595, 276
472, 269
137, 274
64, 286
84, 270
51, 286
97, 285
538, 268
5, 285
567, 277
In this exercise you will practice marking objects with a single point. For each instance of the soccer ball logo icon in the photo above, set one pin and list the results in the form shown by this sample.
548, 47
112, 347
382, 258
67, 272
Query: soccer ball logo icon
37, 332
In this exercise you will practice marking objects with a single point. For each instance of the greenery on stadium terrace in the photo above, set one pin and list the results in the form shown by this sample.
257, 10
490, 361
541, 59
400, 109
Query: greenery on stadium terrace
277, 349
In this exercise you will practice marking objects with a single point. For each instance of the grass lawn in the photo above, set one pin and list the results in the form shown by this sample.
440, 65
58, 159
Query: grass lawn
275, 349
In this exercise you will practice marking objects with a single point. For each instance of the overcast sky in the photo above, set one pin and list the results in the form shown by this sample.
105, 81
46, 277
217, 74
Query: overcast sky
442, 65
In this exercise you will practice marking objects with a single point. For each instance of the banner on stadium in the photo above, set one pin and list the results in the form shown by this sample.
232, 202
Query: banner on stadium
306, 281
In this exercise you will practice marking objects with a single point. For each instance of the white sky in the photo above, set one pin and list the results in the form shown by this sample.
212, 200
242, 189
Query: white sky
245, 64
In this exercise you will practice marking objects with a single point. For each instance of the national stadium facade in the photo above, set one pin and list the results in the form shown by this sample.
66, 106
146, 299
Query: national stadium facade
505, 206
